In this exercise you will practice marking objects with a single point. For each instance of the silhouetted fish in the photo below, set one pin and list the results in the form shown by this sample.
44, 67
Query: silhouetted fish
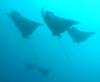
78, 35
56, 24
30, 66
24, 25
44, 71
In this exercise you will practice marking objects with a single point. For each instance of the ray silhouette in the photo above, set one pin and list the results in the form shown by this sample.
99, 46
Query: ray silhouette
30, 66
78, 35
57, 25
24, 25
44, 71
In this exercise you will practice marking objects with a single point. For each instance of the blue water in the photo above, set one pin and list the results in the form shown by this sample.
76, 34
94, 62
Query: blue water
80, 63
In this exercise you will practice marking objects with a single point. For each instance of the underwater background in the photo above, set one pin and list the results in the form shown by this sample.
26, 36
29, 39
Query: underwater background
80, 63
